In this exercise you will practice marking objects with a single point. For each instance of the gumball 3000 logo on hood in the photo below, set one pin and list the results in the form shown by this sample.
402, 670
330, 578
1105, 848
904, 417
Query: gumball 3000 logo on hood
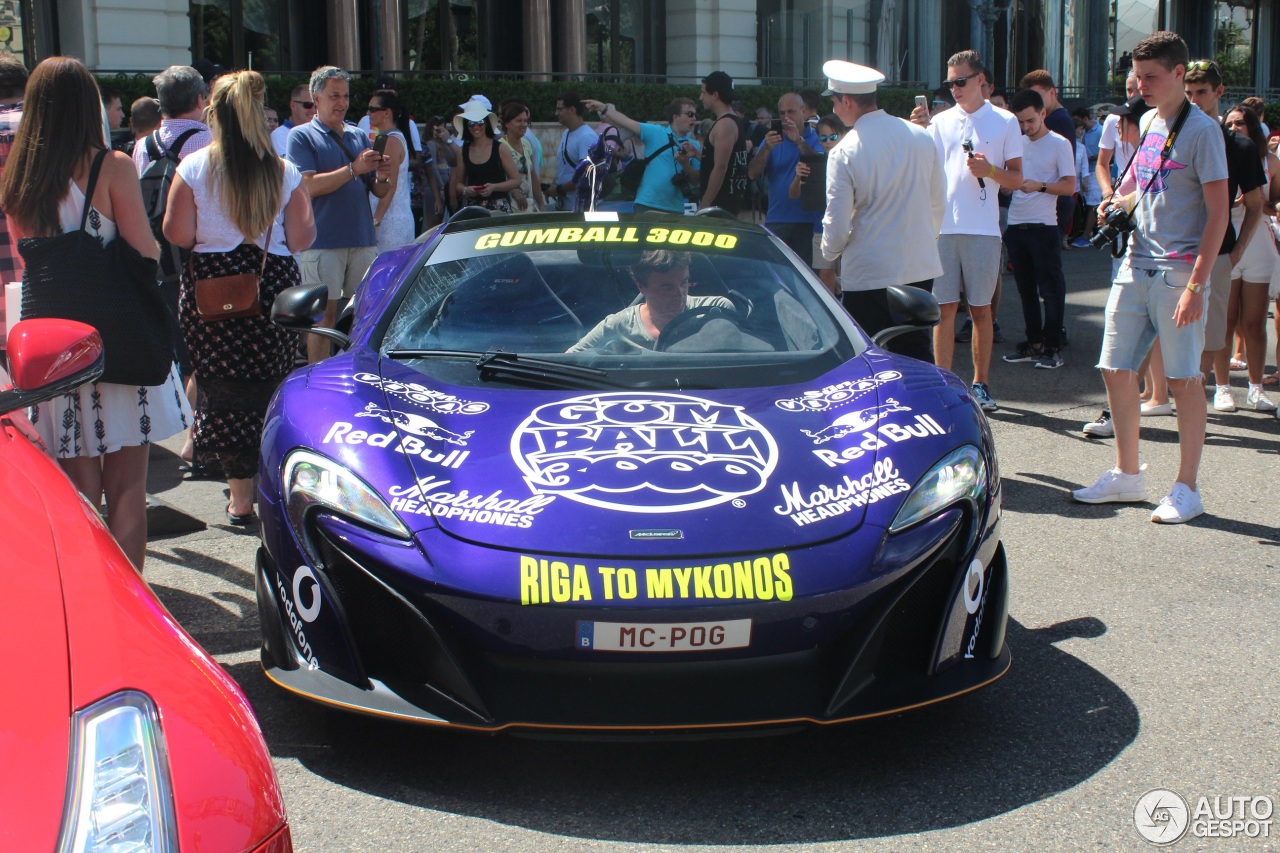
644, 452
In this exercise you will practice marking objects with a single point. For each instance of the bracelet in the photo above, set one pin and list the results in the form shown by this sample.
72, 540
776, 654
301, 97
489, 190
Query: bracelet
352, 169
993, 171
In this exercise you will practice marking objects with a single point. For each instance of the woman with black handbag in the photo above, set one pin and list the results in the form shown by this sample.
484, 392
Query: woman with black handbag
244, 211
77, 209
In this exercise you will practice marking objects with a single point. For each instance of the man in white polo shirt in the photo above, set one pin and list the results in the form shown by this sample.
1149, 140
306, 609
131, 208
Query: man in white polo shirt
1035, 250
980, 147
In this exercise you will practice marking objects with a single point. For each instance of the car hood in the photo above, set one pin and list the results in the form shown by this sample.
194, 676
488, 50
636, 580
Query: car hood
33, 631
661, 472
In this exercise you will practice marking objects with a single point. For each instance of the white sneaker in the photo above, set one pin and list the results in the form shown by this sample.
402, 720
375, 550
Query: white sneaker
1152, 409
1102, 427
1115, 486
1222, 399
1180, 505
1258, 400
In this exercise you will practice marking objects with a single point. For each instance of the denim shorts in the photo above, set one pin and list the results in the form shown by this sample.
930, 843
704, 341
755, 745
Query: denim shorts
1139, 308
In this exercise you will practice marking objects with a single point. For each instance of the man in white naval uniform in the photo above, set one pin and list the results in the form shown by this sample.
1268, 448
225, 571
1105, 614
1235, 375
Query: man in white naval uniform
885, 199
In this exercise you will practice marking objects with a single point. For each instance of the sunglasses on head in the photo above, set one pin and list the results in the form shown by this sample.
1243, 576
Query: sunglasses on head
1204, 65
830, 137
960, 82
306, 105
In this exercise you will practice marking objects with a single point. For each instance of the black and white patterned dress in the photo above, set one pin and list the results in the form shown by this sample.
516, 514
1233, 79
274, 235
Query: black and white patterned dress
103, 417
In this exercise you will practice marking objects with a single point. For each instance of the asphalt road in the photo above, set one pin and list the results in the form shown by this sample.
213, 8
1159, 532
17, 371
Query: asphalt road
1144, 657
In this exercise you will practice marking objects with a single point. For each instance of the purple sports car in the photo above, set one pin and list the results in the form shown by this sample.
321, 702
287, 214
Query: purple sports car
611, 473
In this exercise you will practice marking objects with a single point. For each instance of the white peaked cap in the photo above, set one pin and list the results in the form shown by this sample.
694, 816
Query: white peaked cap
849, 78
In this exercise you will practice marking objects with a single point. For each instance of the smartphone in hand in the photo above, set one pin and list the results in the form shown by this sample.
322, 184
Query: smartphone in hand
922, 101
380, 144
776, 127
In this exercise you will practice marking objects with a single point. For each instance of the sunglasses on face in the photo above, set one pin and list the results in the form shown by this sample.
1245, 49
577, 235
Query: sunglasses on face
469, 123
306, 105
690, 115
375, 109
960, 82
830, 137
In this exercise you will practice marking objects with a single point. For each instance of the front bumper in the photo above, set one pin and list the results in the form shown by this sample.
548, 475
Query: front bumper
909, 645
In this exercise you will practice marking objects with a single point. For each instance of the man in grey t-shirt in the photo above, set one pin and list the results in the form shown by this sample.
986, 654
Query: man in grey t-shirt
1181, 216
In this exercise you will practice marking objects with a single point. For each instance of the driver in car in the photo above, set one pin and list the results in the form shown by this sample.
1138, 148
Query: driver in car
663, 279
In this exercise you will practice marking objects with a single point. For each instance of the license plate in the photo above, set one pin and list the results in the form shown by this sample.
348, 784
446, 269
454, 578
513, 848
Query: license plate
664, 637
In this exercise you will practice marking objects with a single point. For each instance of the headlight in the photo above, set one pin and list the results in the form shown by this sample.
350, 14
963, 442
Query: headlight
314, 480
961, 474
119, 797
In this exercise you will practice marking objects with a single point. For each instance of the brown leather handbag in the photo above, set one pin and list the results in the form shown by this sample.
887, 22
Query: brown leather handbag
226, 297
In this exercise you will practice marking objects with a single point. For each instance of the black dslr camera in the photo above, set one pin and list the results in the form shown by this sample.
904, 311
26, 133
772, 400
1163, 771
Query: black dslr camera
1116, 223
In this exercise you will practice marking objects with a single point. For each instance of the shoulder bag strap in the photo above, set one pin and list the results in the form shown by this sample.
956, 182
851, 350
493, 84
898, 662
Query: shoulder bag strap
153, 146
266, 249
176, 147
91, 185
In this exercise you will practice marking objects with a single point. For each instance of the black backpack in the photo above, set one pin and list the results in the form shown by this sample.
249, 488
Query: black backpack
156, 179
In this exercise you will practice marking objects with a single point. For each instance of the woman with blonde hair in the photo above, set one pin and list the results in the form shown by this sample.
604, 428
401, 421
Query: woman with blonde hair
231, 202
101, 432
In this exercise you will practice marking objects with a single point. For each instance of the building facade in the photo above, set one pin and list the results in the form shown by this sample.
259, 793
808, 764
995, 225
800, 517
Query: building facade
644, 40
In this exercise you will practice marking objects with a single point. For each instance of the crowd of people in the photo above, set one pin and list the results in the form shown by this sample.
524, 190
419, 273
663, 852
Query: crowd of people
974, 183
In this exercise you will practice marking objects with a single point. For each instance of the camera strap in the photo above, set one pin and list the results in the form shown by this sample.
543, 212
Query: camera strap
1164, 152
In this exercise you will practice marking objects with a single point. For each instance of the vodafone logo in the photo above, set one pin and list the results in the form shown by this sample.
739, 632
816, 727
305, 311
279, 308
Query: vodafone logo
644, 452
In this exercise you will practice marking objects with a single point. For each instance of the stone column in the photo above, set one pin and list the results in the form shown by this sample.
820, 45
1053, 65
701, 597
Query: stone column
344, 34
537, 37
572, 47
392, 35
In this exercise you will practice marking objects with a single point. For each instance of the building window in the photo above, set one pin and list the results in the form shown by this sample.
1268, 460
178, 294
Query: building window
241, 33
442, 36
623, 36
13, 16
1234, 35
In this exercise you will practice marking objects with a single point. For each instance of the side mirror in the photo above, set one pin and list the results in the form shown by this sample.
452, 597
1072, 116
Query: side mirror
300, 308
911, 310
48, 358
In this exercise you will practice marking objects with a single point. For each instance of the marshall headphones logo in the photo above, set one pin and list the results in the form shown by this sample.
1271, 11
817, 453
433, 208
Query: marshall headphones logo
644, 452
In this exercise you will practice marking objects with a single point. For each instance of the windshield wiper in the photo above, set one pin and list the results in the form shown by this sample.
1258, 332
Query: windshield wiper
512, 365
515, 366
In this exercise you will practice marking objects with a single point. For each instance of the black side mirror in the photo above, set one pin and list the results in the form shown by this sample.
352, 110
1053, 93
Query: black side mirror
300, 308
911, 310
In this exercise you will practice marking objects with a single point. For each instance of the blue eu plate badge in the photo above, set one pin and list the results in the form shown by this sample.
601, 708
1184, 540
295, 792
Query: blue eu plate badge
586, 635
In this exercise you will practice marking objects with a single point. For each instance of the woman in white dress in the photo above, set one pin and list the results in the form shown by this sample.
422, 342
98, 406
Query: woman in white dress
392, 214
101, 432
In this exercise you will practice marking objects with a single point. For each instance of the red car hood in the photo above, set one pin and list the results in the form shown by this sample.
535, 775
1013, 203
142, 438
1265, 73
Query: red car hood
34, 726
80, 624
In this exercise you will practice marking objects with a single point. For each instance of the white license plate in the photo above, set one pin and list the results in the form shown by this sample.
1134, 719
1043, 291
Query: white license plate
664, 637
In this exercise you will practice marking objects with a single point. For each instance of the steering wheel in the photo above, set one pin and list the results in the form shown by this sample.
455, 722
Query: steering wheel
688, 323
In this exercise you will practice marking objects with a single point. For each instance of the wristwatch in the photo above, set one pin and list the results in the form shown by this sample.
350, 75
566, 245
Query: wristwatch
1043, 188
1195, 288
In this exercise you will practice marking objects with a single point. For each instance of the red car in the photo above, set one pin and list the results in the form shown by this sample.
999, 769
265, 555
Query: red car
117, 731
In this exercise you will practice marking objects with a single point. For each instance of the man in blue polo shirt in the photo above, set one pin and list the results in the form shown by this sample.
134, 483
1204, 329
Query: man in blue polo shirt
777, 158
339, 170
674, 166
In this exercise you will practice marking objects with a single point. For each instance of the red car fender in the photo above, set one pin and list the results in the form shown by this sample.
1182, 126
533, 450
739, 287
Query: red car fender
34, 726
120, 637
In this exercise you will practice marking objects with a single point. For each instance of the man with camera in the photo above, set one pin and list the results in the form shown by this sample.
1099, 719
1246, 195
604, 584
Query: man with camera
885, 195
1244, 178
1048, 172
787, 141
1179, 216
671, 158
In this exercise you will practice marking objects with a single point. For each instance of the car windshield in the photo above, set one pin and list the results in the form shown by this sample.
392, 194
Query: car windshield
627, 304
